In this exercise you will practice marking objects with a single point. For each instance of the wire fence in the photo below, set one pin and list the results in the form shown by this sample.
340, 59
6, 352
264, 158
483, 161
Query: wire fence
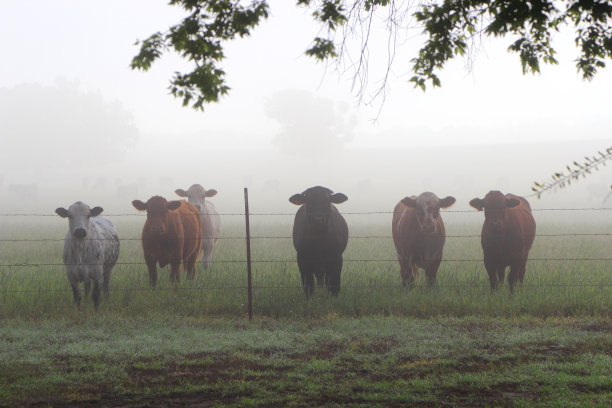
472, 211
600, 259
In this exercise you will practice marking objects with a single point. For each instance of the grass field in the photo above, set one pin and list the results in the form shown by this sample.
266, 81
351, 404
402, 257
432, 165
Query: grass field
550, 344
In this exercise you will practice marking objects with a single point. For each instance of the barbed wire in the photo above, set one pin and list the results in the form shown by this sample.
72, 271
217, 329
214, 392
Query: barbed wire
596, 234
297, 287
242, 261
472, 211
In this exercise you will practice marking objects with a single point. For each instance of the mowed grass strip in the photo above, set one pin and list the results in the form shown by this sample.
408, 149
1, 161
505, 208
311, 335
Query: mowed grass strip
332, 361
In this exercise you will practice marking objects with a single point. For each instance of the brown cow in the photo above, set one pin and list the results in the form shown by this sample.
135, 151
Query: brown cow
507, 235
418, 235
172, 234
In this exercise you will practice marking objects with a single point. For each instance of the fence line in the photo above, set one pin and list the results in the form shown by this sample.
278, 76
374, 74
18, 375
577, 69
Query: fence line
240, 261
473, 211
298, 287
596, 234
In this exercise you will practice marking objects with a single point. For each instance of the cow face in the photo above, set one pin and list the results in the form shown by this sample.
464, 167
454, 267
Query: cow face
196, 195
157, 209
495, 205
427, 207
78, 215
318, 201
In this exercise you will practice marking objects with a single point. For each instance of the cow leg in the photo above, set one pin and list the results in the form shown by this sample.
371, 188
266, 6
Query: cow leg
431, 272
207, 250
514, 275
321, 276
87, 286
190, 266
521, 270
95, 294
492, 271
106, 282
206, 261
152, 267
501, 274
332, 276
306, 272
406, 272
175, 270
76, 292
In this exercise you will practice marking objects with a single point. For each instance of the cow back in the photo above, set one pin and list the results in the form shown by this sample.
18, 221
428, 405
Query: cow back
191, 226
211, 222
520, 224
106, 238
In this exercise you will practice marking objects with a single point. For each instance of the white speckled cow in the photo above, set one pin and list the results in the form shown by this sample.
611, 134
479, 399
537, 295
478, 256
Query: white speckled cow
211, 222
91, 248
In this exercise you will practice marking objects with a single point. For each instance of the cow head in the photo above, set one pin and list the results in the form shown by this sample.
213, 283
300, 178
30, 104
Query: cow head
157, 209
495, 205
196, 195
427, 207
78, 215
318, 201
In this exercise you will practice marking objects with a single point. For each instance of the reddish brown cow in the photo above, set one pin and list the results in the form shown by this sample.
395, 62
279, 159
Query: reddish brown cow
172, 234
418, 235
507, 235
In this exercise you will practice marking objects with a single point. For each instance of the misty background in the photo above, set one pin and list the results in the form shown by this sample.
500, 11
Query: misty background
77, 124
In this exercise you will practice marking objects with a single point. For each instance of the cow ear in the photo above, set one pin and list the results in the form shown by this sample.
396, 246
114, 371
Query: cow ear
512, 202
62, 212
297, 199
139, 205
173, 205
94, 212
181, 193
477, 203
409, 202
210, 193
338, 198
447, 202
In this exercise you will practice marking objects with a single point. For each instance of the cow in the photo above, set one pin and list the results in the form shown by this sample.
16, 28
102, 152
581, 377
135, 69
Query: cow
419, 236
91, 249
209, 217
171, 234
320, 236
507, 235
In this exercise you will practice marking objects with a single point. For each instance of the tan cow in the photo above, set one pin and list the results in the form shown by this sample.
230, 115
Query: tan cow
419, 235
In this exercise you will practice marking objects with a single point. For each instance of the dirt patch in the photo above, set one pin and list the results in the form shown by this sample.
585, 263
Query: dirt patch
604, 326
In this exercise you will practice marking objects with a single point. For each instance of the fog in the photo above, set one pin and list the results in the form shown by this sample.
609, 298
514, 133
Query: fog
77, 124
64, 145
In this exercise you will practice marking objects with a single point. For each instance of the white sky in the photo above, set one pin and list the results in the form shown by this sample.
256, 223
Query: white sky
91, 43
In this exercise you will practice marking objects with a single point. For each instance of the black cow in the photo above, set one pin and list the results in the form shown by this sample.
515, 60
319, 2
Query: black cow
320, 235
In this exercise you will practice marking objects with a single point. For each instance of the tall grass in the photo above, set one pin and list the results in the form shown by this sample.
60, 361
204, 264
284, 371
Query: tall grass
370, 276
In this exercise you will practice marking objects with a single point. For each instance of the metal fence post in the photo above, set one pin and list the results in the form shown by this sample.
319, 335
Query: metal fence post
248, 253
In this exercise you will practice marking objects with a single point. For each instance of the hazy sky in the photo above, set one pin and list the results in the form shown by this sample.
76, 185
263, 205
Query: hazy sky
65, 83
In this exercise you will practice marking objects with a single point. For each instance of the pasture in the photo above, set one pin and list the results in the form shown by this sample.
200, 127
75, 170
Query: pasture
375, 344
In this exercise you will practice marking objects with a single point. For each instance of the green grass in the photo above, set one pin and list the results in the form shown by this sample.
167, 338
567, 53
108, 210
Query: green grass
367, 361
376, 344
369, 286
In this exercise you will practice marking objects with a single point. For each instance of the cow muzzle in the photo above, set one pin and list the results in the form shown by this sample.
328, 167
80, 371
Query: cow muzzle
80, 233
428, 228
158, 230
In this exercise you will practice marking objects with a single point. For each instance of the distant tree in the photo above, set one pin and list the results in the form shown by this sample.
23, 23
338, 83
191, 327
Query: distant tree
451, 28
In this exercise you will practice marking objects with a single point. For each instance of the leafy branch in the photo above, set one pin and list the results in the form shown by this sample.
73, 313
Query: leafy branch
575, 172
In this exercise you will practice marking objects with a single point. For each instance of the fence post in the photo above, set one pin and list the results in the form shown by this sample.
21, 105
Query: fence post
248, 253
